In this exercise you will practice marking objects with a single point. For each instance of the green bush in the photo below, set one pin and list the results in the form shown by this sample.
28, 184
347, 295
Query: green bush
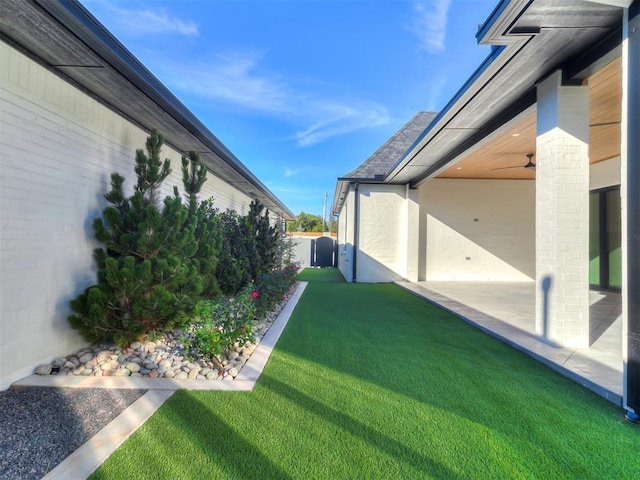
221, 324
272, 287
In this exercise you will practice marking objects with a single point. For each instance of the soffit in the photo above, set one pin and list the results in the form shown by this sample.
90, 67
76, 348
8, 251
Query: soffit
67, 40
508, 148
542, 37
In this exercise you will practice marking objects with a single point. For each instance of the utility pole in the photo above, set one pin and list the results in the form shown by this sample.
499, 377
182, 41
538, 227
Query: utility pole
324, 213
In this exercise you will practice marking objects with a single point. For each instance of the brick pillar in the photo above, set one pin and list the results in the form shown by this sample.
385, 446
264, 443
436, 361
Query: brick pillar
412, 226
562, 213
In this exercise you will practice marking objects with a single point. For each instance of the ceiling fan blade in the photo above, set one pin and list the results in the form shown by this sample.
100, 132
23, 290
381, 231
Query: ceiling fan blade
506, 168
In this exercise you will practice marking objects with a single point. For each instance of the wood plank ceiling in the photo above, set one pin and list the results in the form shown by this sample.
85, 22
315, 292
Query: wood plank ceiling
511, 146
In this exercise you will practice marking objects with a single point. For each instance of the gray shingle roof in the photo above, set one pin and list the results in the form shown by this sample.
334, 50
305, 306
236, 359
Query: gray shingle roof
393, 149
385, 158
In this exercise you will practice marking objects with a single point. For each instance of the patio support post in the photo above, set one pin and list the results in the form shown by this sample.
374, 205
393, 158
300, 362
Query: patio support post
631, 288
562, 213
412, 229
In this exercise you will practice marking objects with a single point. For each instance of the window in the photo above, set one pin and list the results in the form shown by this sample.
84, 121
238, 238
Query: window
605, 235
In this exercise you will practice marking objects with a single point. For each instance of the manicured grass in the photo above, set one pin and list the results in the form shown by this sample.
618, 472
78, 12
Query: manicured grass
371, 382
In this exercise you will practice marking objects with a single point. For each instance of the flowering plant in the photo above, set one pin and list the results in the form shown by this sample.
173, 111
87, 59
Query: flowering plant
273, 287
222, 324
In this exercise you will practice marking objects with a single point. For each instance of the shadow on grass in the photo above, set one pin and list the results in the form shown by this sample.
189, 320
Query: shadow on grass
413, 459
220, 443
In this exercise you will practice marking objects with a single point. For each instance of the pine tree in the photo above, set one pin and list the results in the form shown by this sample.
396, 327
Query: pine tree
233, 270
263, 239
194, 175
150, 170
147, 272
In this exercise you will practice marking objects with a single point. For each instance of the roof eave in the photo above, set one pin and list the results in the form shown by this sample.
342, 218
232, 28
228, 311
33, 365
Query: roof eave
81, 23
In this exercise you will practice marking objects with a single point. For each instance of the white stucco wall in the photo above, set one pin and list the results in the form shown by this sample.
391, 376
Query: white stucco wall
59, 148
479, 230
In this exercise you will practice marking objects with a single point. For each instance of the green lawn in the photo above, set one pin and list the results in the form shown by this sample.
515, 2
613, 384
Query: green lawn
371, 382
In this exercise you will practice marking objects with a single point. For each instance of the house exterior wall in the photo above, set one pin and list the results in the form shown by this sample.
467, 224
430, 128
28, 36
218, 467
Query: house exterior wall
59, 148
346, 235
479, 230
382, 239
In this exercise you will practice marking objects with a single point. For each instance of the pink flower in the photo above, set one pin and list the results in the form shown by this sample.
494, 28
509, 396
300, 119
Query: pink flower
254, 295
284, 297
242, 330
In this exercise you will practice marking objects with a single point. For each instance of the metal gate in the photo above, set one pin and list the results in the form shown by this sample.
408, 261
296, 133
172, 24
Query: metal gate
323, 252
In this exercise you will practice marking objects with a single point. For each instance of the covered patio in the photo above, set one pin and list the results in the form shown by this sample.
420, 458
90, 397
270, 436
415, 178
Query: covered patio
506, 310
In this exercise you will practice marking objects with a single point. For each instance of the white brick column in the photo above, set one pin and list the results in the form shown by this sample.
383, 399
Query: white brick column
562, 213
412, 227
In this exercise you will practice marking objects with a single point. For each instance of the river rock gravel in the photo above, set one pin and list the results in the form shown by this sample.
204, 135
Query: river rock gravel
41, 426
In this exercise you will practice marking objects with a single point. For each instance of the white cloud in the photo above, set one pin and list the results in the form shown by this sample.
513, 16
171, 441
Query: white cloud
241, 78
141, 22
232, 78
291, 172
430, 24
338, 119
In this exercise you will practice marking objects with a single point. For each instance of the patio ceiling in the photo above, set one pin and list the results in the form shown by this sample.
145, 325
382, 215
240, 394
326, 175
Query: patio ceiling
531, 40
509, 146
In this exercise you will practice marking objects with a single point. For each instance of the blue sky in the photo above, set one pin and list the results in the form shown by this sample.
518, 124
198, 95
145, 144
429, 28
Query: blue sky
303, 91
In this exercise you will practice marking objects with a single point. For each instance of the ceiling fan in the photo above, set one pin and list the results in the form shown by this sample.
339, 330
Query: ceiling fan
529, 165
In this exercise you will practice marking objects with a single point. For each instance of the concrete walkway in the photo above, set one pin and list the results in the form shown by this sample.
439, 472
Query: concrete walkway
507, 311
86, 459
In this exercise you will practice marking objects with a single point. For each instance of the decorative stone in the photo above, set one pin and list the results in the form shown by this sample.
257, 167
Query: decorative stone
169, 374
153, 374
193, 373
59, 362
181, 375
233, 355
150, 365
132, 367
233, 372
102, 356
85, 357
109, 366
164, 364
44, 370
121, 372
